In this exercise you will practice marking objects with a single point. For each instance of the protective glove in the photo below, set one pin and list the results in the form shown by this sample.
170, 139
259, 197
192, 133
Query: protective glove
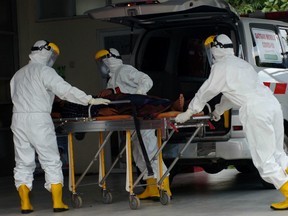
183, 117
215, 116
98, 101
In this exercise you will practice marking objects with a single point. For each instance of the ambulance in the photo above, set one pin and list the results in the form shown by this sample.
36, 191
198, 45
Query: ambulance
169, 48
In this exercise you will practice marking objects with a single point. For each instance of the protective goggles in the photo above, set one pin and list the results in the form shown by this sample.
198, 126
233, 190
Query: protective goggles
216, 43
109, 55
45, 46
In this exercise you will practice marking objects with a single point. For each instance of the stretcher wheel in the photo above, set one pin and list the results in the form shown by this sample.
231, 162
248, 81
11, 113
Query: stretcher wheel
76, 201
106, 197
164, 198
134, 202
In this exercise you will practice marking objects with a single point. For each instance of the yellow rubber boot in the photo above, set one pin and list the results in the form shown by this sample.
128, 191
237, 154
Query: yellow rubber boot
58, 205
151, 190
167, 186
282, 205
26, 206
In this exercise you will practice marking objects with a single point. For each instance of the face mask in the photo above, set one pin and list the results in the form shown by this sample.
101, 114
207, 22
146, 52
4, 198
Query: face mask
209, 54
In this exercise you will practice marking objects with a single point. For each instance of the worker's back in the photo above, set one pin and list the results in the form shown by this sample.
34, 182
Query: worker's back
28, 92
242, 81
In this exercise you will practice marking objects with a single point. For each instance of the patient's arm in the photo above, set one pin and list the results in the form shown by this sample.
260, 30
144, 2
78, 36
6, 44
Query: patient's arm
105, 92
199, 114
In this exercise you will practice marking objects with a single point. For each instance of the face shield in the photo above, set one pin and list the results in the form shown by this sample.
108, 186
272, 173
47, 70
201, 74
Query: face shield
99, 57
207, 44
104, 69
54, 54
102, 59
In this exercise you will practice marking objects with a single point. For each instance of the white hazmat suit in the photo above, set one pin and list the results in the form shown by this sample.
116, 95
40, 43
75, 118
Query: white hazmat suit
33, 89
260, 112
127, 79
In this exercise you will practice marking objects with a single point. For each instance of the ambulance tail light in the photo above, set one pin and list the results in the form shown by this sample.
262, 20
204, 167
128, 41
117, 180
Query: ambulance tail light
237, 128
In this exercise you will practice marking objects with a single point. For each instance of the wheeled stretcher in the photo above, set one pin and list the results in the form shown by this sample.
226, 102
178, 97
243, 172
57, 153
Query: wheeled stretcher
165, 126
164, 134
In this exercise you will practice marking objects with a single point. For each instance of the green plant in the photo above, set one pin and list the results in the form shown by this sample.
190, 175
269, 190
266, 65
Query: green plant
61, 70
249, 6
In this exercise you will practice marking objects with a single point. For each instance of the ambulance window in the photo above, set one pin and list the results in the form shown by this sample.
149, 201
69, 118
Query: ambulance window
155, 55
267, 47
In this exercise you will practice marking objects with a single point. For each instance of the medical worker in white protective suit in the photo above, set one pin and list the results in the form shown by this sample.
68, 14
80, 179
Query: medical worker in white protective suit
260, 112
33, 88
127, 79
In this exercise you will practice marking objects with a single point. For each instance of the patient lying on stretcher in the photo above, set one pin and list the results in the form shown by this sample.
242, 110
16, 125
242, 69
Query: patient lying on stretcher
146, 106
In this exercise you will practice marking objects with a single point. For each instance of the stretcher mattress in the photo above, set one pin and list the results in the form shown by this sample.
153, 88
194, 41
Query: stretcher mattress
144, 106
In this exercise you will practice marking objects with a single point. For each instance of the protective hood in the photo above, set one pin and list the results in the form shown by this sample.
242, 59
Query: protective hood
114, 61
113, 64
44, 52
222, 47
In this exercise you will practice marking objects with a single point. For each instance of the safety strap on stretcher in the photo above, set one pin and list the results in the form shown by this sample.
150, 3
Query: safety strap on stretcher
137, 129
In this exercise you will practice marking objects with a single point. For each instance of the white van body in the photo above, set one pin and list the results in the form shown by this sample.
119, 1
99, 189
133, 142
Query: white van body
170, 50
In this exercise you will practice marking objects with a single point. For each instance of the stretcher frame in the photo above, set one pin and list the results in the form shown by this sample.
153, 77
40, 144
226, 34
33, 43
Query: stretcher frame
162, 124
103, 124
170, 127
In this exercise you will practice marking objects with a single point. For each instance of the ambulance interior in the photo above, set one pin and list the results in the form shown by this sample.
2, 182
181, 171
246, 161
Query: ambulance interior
176, 61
